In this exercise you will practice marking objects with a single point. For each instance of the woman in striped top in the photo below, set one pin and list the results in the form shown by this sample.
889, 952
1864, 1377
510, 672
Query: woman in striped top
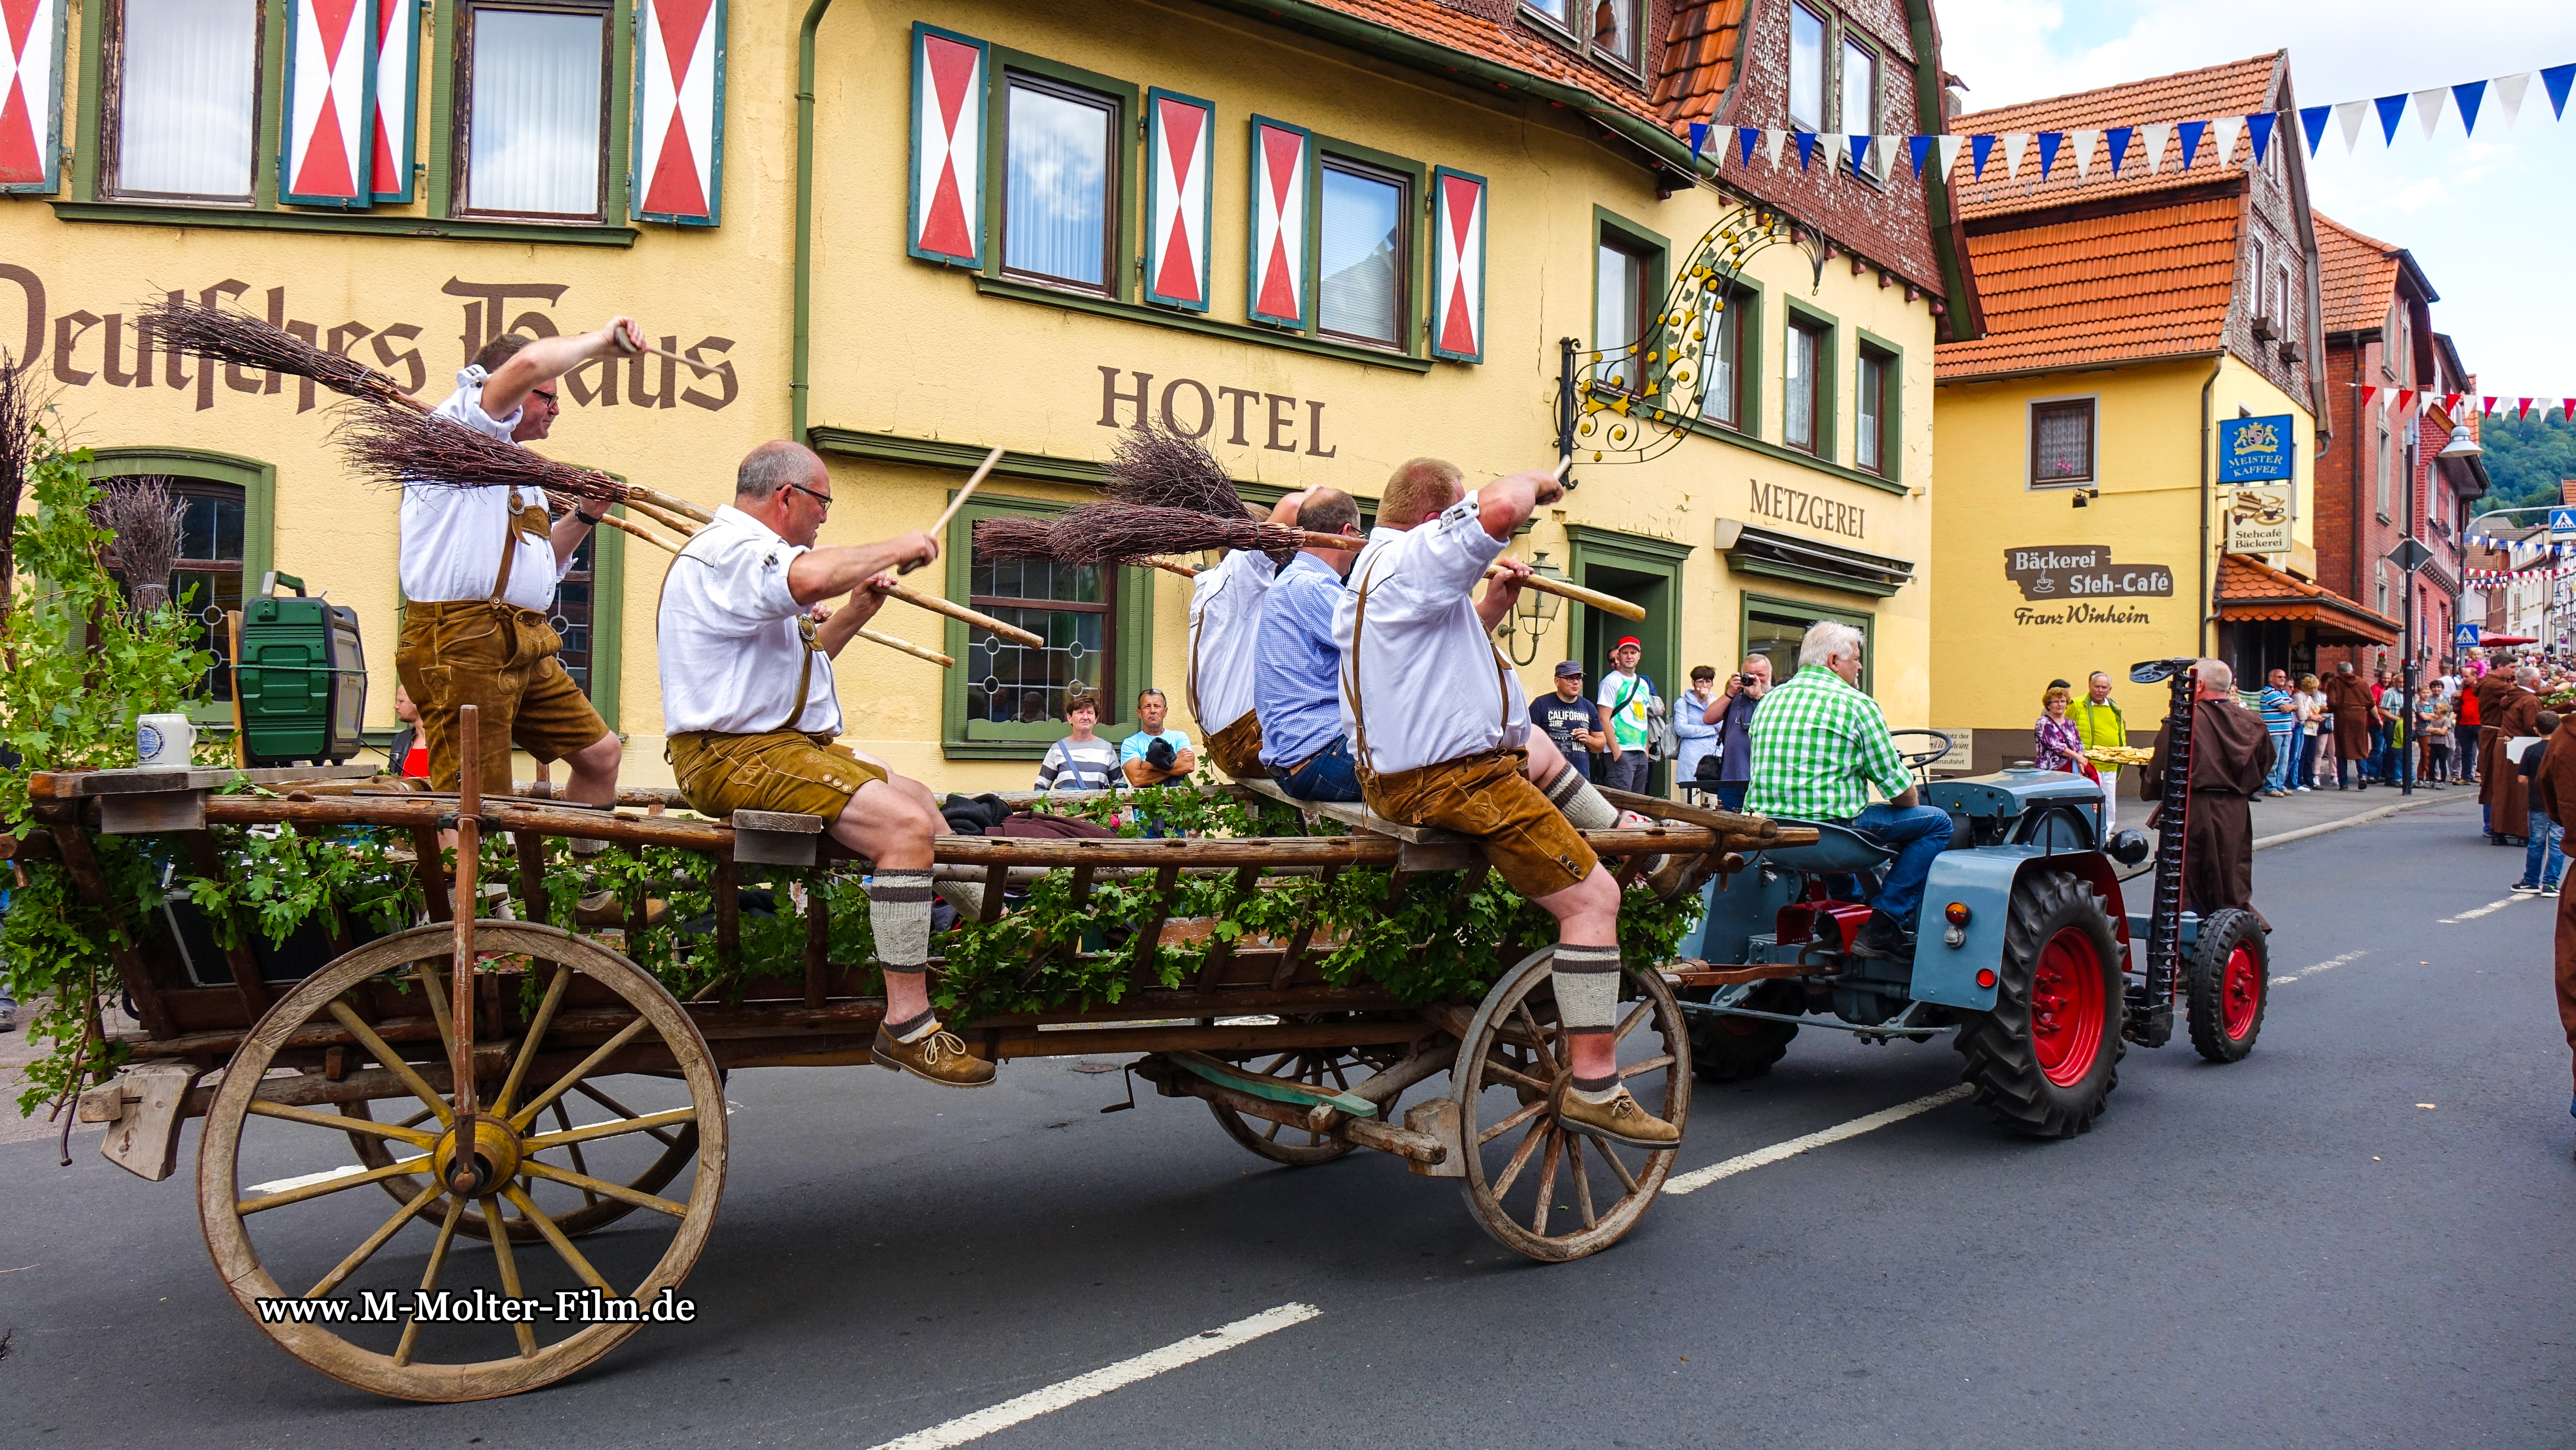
1081, 760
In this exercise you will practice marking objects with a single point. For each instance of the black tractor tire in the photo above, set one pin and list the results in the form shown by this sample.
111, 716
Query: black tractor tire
2049, 1071
1730, 1049
2230, 984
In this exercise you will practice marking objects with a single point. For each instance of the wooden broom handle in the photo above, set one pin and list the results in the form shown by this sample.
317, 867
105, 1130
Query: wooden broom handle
914, 650
937, 605
1593, 598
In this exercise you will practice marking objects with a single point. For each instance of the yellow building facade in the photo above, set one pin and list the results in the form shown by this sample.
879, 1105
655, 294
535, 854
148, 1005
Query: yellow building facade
794, 272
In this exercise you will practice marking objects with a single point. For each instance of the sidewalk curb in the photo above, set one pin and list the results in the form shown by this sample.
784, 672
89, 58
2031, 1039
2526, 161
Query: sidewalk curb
2362, 819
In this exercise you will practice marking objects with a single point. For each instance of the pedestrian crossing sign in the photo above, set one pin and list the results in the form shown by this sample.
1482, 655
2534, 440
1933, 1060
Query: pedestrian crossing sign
2562, 522
2465, 637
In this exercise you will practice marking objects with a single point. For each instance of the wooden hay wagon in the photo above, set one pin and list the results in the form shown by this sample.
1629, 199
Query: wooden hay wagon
555, 1087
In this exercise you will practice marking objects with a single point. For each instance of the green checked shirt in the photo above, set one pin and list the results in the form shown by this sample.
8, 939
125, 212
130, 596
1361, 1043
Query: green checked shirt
1816, 741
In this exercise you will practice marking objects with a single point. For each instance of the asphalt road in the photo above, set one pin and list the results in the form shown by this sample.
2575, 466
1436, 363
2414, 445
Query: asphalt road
2295, 1250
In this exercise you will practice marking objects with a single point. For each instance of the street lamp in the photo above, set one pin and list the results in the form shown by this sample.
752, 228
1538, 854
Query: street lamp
2461, 444
1534, 615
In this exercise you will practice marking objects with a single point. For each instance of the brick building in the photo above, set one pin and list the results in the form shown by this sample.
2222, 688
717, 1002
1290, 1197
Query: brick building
2380, 477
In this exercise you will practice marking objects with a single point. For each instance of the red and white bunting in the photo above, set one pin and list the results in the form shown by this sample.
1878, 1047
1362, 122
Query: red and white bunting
30, 92
1181, 134
1458, 273
330, 58
679, 93
1280, 155
390, 150
948, 78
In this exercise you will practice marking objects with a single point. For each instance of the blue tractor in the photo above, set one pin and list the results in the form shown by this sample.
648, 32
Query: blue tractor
2028, 951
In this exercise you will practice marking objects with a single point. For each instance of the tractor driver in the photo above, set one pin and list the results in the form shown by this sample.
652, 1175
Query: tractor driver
1818, 744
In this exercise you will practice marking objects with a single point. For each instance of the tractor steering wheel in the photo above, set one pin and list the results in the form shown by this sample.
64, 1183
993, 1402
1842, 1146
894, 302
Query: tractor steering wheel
1919, 761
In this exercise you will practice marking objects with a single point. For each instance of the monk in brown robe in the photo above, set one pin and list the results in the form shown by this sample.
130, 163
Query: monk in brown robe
2348, 696
2516, 713
2231, 755
2489, 692
2554, 790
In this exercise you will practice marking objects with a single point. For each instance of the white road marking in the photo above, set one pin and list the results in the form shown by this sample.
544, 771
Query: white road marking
2475, 913
1101, 1381
1699, 1178
281, 1185
2327, 965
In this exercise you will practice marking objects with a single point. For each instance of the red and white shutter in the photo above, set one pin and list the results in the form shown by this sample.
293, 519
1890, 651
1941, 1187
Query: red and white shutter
391, 145
1181, 131
948, 81
330, 67
1282, 155
679, 109
1458, 272
31, 94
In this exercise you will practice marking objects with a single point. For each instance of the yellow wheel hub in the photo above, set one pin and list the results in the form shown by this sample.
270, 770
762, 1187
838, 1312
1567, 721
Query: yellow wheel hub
484, 1169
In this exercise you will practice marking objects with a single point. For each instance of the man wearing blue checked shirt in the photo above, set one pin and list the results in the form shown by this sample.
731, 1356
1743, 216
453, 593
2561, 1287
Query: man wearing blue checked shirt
1818, 745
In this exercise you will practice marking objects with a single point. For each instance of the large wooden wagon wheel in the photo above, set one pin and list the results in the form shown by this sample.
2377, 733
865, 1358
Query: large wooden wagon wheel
296, 1226
1333, 1069
1536, 1187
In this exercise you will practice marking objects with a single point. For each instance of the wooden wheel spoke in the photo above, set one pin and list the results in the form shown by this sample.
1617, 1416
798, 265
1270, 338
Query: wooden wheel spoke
393, 1063
509, 1262
248, 1206
434, 988
1636, 1014
1609, 1154
429, 1277
1520, 1158
563, 1118
603, 1188
623, 1111
339, 1124
528, 1048
415, 1120
1539, 1048
1271, 1134
377, 1240
626, 1034
1582, 1181
555, 1236
1495, 1070
648, 1124
1640, 1069
1525, 1112
1546, 1182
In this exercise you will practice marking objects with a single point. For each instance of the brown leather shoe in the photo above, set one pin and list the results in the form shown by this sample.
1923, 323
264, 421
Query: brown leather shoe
606, 908
1621, 1120
937, 1056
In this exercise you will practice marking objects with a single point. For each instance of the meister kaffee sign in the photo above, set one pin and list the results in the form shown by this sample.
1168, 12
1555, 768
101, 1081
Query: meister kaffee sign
2083, 571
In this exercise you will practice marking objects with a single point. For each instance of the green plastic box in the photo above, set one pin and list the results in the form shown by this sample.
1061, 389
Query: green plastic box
301, 679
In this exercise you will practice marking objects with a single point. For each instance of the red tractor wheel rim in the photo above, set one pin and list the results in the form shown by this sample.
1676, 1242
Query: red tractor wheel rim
2241, 993
2066, 1007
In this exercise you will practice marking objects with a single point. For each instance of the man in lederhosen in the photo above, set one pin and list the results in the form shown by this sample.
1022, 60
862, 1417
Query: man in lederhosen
1225, 621
751, 712
1449, 745
479, 569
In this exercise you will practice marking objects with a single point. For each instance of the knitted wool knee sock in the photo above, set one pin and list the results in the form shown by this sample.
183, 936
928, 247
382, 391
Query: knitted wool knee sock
1586, 980
899, 917
966, 896
1581, 804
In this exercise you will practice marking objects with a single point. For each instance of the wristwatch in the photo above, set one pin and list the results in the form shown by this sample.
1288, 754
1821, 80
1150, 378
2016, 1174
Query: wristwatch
588, 520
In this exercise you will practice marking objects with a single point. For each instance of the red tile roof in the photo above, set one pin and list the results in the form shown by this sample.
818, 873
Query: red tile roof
1492, 40
2154, 282
2357, 276
2239, 88
2249, 589
1699, 58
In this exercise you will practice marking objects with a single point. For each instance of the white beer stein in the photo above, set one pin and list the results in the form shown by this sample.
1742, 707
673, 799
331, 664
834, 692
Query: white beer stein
164, 742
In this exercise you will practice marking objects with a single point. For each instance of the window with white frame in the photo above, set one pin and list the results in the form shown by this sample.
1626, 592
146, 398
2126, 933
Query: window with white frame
1722, 370
1802, 393
183, 83
1362, 251
1621, 302
2256, 274
1060, 179
532, 108
1603, 29
2061, 443
1806, 69
1860, 102
2387, 470
1873, 413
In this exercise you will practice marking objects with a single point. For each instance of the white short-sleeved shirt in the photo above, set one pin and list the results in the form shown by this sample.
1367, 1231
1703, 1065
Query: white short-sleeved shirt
731, 650
451, 537
1429, 683
1225, 622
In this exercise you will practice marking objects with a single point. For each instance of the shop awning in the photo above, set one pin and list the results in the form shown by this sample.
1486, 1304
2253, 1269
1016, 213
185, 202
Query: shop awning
2251, 591
1810, 561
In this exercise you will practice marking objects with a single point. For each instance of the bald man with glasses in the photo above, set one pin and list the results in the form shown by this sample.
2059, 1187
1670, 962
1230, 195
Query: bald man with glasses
479, 572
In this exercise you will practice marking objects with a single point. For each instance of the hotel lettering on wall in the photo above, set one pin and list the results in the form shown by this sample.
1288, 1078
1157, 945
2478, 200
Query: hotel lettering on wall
1243, 417
2082, 584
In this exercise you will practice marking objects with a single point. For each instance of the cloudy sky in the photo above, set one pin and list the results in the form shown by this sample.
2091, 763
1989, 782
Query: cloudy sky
2490, 218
